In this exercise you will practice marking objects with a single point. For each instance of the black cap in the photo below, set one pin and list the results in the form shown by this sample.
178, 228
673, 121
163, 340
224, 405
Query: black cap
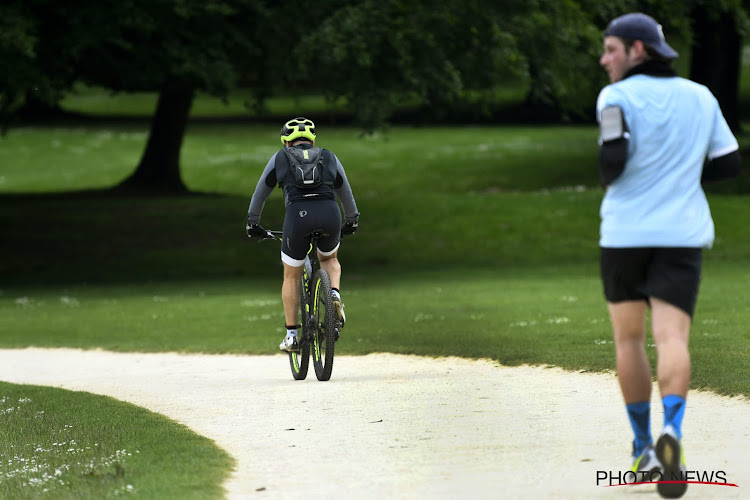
639, 26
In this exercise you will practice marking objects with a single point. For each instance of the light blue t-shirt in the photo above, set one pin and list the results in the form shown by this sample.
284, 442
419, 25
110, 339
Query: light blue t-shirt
657, 201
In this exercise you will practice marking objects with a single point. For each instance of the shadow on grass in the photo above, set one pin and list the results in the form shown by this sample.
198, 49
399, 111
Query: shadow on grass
116, 235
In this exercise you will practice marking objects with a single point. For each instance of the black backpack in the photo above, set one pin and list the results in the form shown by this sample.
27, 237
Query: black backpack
306, 166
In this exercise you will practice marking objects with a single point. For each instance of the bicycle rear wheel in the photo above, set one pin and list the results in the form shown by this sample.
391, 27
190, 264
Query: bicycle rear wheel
300, 361
324, 332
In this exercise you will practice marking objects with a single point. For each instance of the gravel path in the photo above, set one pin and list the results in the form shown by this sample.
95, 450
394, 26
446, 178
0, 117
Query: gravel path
392, 426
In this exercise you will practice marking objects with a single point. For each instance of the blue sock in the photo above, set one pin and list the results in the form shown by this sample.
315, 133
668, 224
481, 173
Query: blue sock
674, 410
640, 421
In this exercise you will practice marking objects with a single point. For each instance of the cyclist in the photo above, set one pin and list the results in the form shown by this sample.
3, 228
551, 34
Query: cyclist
311, 178
660, 137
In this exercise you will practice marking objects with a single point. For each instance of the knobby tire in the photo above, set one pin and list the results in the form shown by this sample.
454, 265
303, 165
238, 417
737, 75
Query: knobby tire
324, 331
300, 361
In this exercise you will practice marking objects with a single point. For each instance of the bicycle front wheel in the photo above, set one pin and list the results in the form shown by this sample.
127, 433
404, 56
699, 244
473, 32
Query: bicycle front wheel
299, 361
324, 331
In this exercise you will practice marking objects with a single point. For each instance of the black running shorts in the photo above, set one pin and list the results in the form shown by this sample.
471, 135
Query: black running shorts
670, 274
304, 217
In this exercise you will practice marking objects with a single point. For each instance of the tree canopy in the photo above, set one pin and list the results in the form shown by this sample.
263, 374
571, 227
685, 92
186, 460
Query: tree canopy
376, 54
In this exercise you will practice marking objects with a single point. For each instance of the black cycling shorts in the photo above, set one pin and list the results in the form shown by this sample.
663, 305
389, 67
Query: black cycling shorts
304, 217
670, 274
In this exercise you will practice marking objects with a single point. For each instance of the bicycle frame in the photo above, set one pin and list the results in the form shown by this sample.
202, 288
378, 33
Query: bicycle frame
319, 327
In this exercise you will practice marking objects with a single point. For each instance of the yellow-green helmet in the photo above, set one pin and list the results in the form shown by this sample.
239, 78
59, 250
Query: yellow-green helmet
296, 128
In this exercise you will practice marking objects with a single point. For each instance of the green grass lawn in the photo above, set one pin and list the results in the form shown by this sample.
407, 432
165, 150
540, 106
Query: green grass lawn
101, 102
474, 242
507, 217
240, 103
228, 159
62, 444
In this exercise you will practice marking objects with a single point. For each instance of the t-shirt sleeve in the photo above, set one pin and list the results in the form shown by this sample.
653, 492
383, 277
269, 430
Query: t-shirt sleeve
723, 141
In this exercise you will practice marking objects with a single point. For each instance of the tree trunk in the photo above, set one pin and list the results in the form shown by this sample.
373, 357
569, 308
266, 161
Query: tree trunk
716, 60
159, 168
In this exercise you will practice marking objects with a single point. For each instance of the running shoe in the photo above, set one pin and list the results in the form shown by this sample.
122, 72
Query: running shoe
671, 455
289, 344
646, 465
338, 306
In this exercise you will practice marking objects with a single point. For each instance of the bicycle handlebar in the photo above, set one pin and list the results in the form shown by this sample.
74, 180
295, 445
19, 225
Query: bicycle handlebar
276, 235
272, 235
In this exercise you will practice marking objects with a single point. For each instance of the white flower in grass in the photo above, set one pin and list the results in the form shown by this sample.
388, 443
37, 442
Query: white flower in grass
23, 301
564, 189
69, 301
131, 136
259, 303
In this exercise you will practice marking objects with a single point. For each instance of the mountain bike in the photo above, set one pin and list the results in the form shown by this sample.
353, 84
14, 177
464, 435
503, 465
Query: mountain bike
320, 324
